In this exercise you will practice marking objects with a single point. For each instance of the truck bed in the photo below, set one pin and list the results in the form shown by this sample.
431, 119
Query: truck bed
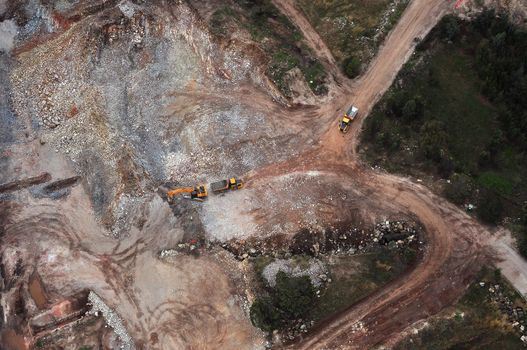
219, 186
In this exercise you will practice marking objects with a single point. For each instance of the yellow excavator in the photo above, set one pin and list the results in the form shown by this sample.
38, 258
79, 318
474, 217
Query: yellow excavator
196, 193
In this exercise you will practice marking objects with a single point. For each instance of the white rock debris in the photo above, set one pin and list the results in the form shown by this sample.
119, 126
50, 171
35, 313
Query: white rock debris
314, 269
112, 319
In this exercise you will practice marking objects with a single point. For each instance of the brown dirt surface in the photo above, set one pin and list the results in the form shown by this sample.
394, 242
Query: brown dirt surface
160, 100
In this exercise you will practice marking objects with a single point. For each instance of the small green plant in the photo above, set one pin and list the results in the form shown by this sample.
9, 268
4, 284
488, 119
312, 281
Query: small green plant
352, 67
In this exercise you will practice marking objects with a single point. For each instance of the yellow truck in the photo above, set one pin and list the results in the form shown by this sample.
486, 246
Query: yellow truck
346, 120
225, 185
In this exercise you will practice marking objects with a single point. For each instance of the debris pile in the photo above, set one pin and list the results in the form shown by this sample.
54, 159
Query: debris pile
342, 240
193, 247
516, 315
399, 232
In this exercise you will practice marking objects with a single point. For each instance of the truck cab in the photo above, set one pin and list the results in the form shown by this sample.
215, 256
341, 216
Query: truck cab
235, 184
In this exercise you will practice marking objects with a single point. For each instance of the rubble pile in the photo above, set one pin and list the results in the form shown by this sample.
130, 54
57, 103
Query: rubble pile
399, 232
345, 241
193, 247
516, 315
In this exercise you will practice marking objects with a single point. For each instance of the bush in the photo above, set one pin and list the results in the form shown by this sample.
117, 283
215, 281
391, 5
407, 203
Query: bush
450, 27
490, 207
265, 315
352, 67
460, 189
290, 299
294, 296
495, 183
413, 108
433, 140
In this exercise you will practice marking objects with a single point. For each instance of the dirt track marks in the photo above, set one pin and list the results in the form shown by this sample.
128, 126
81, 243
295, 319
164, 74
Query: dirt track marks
311, 36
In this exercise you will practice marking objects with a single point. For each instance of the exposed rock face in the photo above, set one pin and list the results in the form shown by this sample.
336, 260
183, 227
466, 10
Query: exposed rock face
134, 95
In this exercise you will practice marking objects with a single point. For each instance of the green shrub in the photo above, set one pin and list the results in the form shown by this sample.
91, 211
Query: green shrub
294, 296
460, 189
265, 315
290, 299
433, 140
496, 183
352, 67
490, 207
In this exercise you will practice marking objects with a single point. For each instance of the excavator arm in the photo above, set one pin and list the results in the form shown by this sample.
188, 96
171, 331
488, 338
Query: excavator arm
172, 193
197, 193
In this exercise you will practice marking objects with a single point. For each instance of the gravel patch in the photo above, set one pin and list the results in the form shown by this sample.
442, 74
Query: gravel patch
314, 269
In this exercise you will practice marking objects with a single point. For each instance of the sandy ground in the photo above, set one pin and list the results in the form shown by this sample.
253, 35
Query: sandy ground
156, 99
512, 265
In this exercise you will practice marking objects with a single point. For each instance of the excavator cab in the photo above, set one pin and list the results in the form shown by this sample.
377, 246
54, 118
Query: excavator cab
199, 192
235, 184
196, 193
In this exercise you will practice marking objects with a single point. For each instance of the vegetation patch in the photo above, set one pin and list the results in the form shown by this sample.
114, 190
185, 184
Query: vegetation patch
480, 320
354, 29
458, 111
355, 277
278, 38
294, 304
290, 299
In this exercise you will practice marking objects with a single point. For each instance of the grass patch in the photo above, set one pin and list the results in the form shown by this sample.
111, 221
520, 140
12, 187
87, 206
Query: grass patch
475, 322
278, 38
352, 29
456, 112
352, 279
495, 182
356, 277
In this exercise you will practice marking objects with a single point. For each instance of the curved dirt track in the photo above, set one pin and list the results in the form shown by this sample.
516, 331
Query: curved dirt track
454, 252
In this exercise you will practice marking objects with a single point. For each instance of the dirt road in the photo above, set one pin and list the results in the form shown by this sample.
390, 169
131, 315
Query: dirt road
512, 265
454, 251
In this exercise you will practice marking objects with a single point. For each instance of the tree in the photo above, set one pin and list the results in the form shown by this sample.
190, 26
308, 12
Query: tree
433, 140
450, 27
352, 67
490, 207
460, 189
